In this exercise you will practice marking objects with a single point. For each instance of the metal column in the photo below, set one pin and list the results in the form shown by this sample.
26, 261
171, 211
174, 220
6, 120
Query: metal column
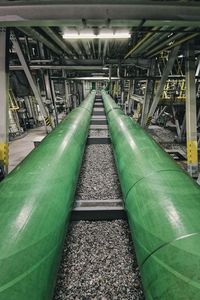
161, 85
4, 99
130, 101
29, 76
148, 93
191, 118
110, 79
54, 102
67, 100
47, 85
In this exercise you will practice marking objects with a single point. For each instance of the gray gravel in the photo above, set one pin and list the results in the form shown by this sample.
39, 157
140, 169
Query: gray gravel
99, 263
98, 260
98, 176
98, 132
166, 138
161, 134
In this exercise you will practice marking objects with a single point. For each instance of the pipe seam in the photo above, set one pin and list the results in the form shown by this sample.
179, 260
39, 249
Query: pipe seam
168, 243
170, 170
107, 113
84, 108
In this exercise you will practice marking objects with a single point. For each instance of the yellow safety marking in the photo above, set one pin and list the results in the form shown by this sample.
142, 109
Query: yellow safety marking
192, 153
4, 153
149, 121
47, 121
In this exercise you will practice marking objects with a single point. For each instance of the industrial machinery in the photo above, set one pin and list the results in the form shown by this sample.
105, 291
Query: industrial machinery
163, 207
36, 200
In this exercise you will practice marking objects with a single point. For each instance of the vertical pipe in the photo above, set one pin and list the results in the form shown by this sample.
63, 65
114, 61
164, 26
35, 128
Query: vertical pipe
4, 98
54, 101
191, 113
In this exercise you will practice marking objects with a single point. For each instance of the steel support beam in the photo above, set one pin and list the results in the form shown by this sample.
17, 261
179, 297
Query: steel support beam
4, 100
54, 102
67, 100
30, 79
90, 63
52, 14
166, 72
178, 129
191, 113
183, 127
47, 85
58, 40
105, 47
40, 38
198, 68
130, 101
148, 94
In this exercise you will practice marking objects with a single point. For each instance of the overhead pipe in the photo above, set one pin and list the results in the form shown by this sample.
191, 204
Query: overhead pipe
177, 43
38, 37
58, 40
36, 201
140, 43
160, 39
56, 67
163, 207
105, 47
165, 44
75, 47
151, 41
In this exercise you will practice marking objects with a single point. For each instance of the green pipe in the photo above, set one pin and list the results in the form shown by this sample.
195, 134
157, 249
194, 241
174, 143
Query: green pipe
163, 208
36, 200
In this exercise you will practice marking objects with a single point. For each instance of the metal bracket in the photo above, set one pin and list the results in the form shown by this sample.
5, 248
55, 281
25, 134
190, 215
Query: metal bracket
93, 210
98, 140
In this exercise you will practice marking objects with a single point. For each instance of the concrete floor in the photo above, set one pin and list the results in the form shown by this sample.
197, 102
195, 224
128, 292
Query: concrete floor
20, 148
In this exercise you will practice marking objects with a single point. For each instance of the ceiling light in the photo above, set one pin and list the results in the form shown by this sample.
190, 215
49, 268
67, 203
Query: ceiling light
89, 34
116, 35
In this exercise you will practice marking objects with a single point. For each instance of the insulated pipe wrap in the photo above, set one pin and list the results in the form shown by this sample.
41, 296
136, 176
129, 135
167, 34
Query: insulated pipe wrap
36, 200
163, 207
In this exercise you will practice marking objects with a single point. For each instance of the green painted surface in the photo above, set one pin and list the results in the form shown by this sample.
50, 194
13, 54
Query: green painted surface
36, 200
163, 207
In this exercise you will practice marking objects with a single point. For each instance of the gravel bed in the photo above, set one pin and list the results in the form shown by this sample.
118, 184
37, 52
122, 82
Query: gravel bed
161, 134
98, 176
98, 132
98, 262
166, 138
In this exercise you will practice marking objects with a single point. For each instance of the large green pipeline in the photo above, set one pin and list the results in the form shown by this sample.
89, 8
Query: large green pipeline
163, 207
36, 200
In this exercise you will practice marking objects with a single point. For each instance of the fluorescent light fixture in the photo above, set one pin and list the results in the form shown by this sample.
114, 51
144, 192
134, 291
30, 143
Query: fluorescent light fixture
89, 34
110, 34
98, 74
113, 35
